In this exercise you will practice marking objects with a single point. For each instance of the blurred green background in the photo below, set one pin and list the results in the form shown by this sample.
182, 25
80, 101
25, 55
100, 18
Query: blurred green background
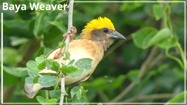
28, 34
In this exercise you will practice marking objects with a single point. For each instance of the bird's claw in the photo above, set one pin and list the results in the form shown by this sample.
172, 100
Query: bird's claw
72, 33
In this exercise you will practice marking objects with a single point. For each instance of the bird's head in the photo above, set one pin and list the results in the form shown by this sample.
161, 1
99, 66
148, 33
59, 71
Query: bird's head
102, 31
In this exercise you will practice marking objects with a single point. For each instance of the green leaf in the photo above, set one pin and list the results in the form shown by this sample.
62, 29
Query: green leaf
99, 104
41, 100
31, 73
77, 73
40, 58
32, 65
159, 10
178, 98
159, 36
81, 99
42, 21
10, 80
29, 80
68, 69
76, 91
62, 44
15, 41
55, 66
11, 56
16, 71
51, 101
162, 67
179, 73
55, 94
59, 25
133, 75
47, 80
71, 62
139, 36
42, 65
40, 51
84, 92
67, 55
118, 81
168, 43
82, 64
148, 37
99, 83
35, 80
49, 63
17, 27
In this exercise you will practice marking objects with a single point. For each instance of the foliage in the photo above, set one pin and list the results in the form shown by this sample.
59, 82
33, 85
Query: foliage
152, 57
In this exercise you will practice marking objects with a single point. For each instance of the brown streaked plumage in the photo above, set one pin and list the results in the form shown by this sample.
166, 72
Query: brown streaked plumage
97, 36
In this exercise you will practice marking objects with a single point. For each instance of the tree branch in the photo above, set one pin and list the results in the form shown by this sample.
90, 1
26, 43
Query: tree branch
145, 66
70, 24
154, 96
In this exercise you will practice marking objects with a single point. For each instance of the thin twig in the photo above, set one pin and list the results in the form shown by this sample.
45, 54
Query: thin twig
70, 24
103, 96
145, 66
148, 97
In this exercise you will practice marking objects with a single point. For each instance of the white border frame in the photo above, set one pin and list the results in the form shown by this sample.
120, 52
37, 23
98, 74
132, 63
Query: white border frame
106, 2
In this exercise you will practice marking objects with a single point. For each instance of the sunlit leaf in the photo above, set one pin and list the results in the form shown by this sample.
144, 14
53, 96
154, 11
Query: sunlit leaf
41, 100
42, 65
51, 101
40, 58
178, 98
67, 55
55, 66
139, 36
168, 43
16, 71
68, 69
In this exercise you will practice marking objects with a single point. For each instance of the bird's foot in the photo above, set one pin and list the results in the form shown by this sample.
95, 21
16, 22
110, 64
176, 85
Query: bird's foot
72, 33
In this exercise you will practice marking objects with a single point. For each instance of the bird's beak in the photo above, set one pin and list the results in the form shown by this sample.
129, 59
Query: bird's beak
116, 35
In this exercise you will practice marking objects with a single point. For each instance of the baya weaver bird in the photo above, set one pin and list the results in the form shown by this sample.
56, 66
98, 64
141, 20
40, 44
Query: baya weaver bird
95, 38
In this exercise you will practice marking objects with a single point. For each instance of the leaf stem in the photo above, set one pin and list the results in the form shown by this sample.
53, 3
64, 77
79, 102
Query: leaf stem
181, 53
174, 58
47, 95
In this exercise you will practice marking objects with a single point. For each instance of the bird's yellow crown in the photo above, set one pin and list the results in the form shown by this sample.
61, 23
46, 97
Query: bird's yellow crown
96, 24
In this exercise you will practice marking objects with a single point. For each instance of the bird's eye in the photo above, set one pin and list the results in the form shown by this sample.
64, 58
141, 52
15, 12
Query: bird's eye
105, 30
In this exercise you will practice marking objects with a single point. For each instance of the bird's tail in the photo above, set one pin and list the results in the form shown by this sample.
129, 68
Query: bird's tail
31, 89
